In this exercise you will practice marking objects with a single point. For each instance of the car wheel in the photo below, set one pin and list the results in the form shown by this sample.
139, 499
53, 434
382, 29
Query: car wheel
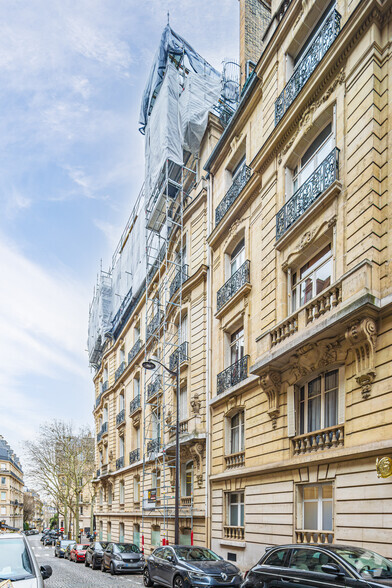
55, 554
178, 582
86, 564
147, 579
103, 567
112, 570
93, 564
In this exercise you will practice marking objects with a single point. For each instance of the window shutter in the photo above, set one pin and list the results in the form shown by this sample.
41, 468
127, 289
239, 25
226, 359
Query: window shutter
291, 411
342, 395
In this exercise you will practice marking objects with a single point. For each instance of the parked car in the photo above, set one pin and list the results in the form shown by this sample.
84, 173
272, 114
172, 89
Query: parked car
78, 552
122, 557
180, 566
94, 554
60, 547
18, 562
320, 565
67, 552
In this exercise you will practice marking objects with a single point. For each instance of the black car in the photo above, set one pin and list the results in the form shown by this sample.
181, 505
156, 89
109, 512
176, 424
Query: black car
184, 566
317, 566
94, 554
61, 546
67, 551
122, 557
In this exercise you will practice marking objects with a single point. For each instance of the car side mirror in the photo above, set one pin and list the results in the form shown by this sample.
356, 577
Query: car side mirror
332, 569
46, 572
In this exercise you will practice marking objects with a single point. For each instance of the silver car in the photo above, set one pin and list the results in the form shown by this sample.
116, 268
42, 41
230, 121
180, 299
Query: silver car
18, 563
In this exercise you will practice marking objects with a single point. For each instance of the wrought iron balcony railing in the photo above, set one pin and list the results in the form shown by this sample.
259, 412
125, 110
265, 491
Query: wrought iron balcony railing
154, 387
98, 473
234, 374
134, 404
233, 284
104, 428
326, 173
153, 324
323, 40
153, 446
119, 463
135, 350
98, 400
134, 456
105, 386
178, 356
119, 371
99, 436
180, 277
120, 418
233, 192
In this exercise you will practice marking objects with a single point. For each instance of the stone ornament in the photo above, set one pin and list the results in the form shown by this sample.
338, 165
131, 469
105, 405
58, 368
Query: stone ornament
197, 455
270, 382
195, 404
362, 336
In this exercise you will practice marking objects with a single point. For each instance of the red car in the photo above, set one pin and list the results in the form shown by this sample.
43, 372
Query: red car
78, 552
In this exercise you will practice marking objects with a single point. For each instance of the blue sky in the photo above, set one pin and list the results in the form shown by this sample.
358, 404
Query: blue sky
71, 165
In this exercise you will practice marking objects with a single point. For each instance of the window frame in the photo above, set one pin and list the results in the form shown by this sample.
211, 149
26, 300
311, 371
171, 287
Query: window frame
303, 429
241, 432
301, 506
237, 337
240, 508
294, 283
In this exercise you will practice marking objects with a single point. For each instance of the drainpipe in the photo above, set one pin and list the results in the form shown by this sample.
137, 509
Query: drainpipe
208, 367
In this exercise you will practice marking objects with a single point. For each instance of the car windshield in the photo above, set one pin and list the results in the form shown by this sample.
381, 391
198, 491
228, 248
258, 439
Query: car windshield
367, 563
126, 548
66, 542
101, 545
81, 547
196, 554
15, 563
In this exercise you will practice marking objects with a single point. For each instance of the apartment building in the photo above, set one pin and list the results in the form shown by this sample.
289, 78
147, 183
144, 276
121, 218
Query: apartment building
301, 376
273, 294
11, 487
33, 509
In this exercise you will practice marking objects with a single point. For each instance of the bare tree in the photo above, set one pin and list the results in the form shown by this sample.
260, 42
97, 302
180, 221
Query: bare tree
28, 508
62, 464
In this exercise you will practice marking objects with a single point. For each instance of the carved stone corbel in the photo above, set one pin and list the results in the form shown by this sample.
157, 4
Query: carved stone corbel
270, 382
197, 455
362, 336
136, 419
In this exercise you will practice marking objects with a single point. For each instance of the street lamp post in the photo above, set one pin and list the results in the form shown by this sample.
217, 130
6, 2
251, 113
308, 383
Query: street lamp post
151, 365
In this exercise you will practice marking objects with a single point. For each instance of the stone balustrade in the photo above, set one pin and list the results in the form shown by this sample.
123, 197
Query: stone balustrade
234, 533
304, 536
329, 438
324, 302
284, 330
235, 460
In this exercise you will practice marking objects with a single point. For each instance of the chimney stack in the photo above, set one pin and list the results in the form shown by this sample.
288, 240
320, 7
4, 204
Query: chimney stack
255, 16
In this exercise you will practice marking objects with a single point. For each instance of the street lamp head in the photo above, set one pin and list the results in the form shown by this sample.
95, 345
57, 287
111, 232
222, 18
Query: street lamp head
149, 365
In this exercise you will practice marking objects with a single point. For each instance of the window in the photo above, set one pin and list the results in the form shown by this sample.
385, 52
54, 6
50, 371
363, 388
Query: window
101, 497
183, 403
155, 535
121, 356
110, 494
312, 278
235, 514
121, 538
100, 530
183, 329
318, 403
136, 333
137, 433
237, 346
121, 403
310, 560
105, 413
3, 480
136, 489
3, 496
181, 256
109, 532
136, 534
187, 479
121, 446
136, 386
156, 482
237, 258
237, 433
121, 491
238, 168
316, 507
185, 536
3, 510
156, 424
105, 374
276, 558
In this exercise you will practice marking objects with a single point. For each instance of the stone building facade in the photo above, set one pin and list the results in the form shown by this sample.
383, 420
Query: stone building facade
11, 487
301, 377
288, 301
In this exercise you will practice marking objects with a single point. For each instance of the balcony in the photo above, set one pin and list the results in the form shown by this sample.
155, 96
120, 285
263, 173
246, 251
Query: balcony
119, 370
235, 460
104, 429
232, 194
303, 536
180, 277
98, 400
134, 456
329, 438
105, 470
105, 386
135, 350
233, 285
186, 500
234, 374
153, 325
119, 463
134, 405
320, 45
120, 418
178, 356
153, 446
153, 388
234, 533
98, 473
321, 179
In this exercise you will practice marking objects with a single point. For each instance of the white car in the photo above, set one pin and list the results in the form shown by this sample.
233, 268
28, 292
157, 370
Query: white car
18, 562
